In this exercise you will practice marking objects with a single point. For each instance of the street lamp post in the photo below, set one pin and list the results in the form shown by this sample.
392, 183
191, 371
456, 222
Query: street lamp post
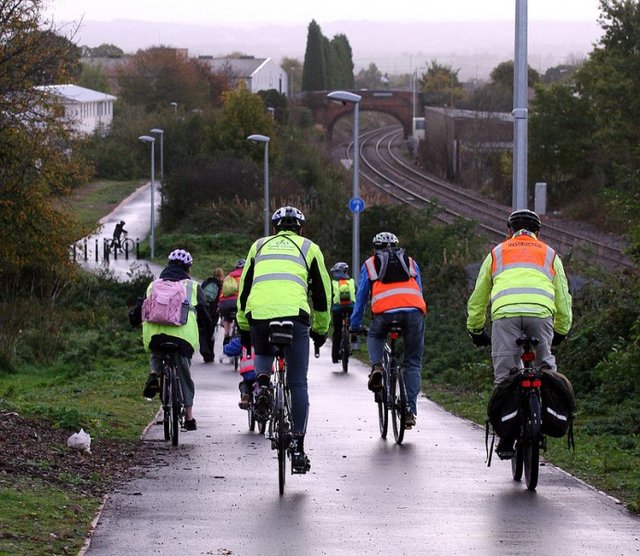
520, 111
257, 138
152, 140
161, 133
356, 204
174, 105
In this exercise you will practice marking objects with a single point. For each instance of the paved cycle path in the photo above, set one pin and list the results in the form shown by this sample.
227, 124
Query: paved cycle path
217, 492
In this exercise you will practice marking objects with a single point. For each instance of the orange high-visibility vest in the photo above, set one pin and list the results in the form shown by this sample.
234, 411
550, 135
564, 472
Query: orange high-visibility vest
394, 295
522, 273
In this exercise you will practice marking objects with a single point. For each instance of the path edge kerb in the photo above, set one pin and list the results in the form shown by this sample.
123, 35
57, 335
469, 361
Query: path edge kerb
94, 522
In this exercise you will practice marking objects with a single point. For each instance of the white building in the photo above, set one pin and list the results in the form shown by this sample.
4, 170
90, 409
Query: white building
258, 74
87, 110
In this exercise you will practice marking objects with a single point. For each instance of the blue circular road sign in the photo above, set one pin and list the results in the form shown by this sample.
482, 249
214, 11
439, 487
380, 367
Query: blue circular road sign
356, 204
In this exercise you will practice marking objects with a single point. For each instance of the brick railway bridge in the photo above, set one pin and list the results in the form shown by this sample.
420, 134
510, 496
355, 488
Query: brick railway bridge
398, 104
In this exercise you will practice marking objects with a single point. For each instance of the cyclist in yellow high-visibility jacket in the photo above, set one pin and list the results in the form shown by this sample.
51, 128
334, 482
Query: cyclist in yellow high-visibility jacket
524, 281
281, 272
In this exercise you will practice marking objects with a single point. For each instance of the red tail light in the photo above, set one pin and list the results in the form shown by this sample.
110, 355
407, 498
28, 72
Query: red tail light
528, 356
526, 383
394, 335
537, 383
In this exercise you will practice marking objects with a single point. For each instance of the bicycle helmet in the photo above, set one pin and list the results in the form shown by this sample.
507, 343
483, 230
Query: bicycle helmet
240, 263
384, 239
122, 222
287, 218
181, 256
524, 219
340, 267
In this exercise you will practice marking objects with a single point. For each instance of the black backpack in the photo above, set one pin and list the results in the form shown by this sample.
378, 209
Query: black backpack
392, 265
558, 405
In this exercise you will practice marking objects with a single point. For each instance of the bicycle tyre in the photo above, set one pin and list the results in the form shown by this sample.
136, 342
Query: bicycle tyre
262, 427
517, 462
251, 417
345, 349
398, 404
531, 447
281, 448
236, 360
165, 388
382, 397
175, 409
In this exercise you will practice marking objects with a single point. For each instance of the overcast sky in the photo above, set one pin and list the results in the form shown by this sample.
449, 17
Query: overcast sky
303, 11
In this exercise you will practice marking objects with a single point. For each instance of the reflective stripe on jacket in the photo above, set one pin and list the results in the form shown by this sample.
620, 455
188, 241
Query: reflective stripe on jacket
188, 331
394, 295
247, 361
522, 273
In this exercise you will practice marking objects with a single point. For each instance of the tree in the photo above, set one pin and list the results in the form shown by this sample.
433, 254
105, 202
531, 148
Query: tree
314, 70
341, 63
37, 162
293, 67
102, 51
441, 86
159, 75
370, 78
497, 95
94, 77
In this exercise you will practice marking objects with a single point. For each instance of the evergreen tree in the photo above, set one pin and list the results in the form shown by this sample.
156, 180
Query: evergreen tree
314, 71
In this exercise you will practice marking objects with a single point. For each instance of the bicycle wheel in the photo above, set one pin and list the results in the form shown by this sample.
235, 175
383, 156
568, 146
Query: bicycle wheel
165, 388
128, 247
382, 398
281, 446
175, 409
517, 462
531, 447
398, 404
251, 417
345, 349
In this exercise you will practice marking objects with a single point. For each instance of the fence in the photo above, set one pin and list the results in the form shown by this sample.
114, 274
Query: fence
129, 250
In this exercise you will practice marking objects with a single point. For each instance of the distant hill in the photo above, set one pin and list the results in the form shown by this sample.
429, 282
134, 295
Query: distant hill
474, 48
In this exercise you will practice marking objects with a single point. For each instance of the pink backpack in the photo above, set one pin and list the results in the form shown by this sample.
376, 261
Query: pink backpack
167, 303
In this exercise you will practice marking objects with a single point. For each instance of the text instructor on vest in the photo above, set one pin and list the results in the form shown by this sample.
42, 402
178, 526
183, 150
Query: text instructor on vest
524, 280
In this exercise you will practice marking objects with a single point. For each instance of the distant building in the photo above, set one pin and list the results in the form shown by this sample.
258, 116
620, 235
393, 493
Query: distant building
86, 110
258, 74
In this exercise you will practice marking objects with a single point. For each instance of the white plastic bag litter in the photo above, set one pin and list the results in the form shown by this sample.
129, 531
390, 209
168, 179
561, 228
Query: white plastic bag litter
80, 441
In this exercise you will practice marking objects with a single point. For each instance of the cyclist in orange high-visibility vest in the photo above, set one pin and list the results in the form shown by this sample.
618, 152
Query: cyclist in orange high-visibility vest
392, 278
524, 281
343, 296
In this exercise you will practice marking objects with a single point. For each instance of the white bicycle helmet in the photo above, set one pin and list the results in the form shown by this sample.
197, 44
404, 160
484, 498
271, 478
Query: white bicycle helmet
181, 256
384, 239
287, 217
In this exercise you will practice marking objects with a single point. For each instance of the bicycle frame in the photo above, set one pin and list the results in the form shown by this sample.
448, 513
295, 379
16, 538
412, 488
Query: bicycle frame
394, 385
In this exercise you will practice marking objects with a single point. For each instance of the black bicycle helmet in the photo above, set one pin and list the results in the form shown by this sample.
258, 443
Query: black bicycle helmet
385, 239
287, 218
240, 263
524, 219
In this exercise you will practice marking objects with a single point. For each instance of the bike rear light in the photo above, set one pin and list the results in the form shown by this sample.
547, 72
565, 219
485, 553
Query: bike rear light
537, 383
394, 335
528, 356
526, 383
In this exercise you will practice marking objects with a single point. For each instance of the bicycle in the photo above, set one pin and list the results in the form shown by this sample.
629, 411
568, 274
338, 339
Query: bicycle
530, 439
114, 245
392, 396
235, 331
171, 393
280, 424
345, 341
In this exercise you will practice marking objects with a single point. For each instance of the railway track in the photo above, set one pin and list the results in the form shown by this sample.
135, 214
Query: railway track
385, 166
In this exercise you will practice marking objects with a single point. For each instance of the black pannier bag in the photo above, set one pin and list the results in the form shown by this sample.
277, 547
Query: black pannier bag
503, 409
558, 404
